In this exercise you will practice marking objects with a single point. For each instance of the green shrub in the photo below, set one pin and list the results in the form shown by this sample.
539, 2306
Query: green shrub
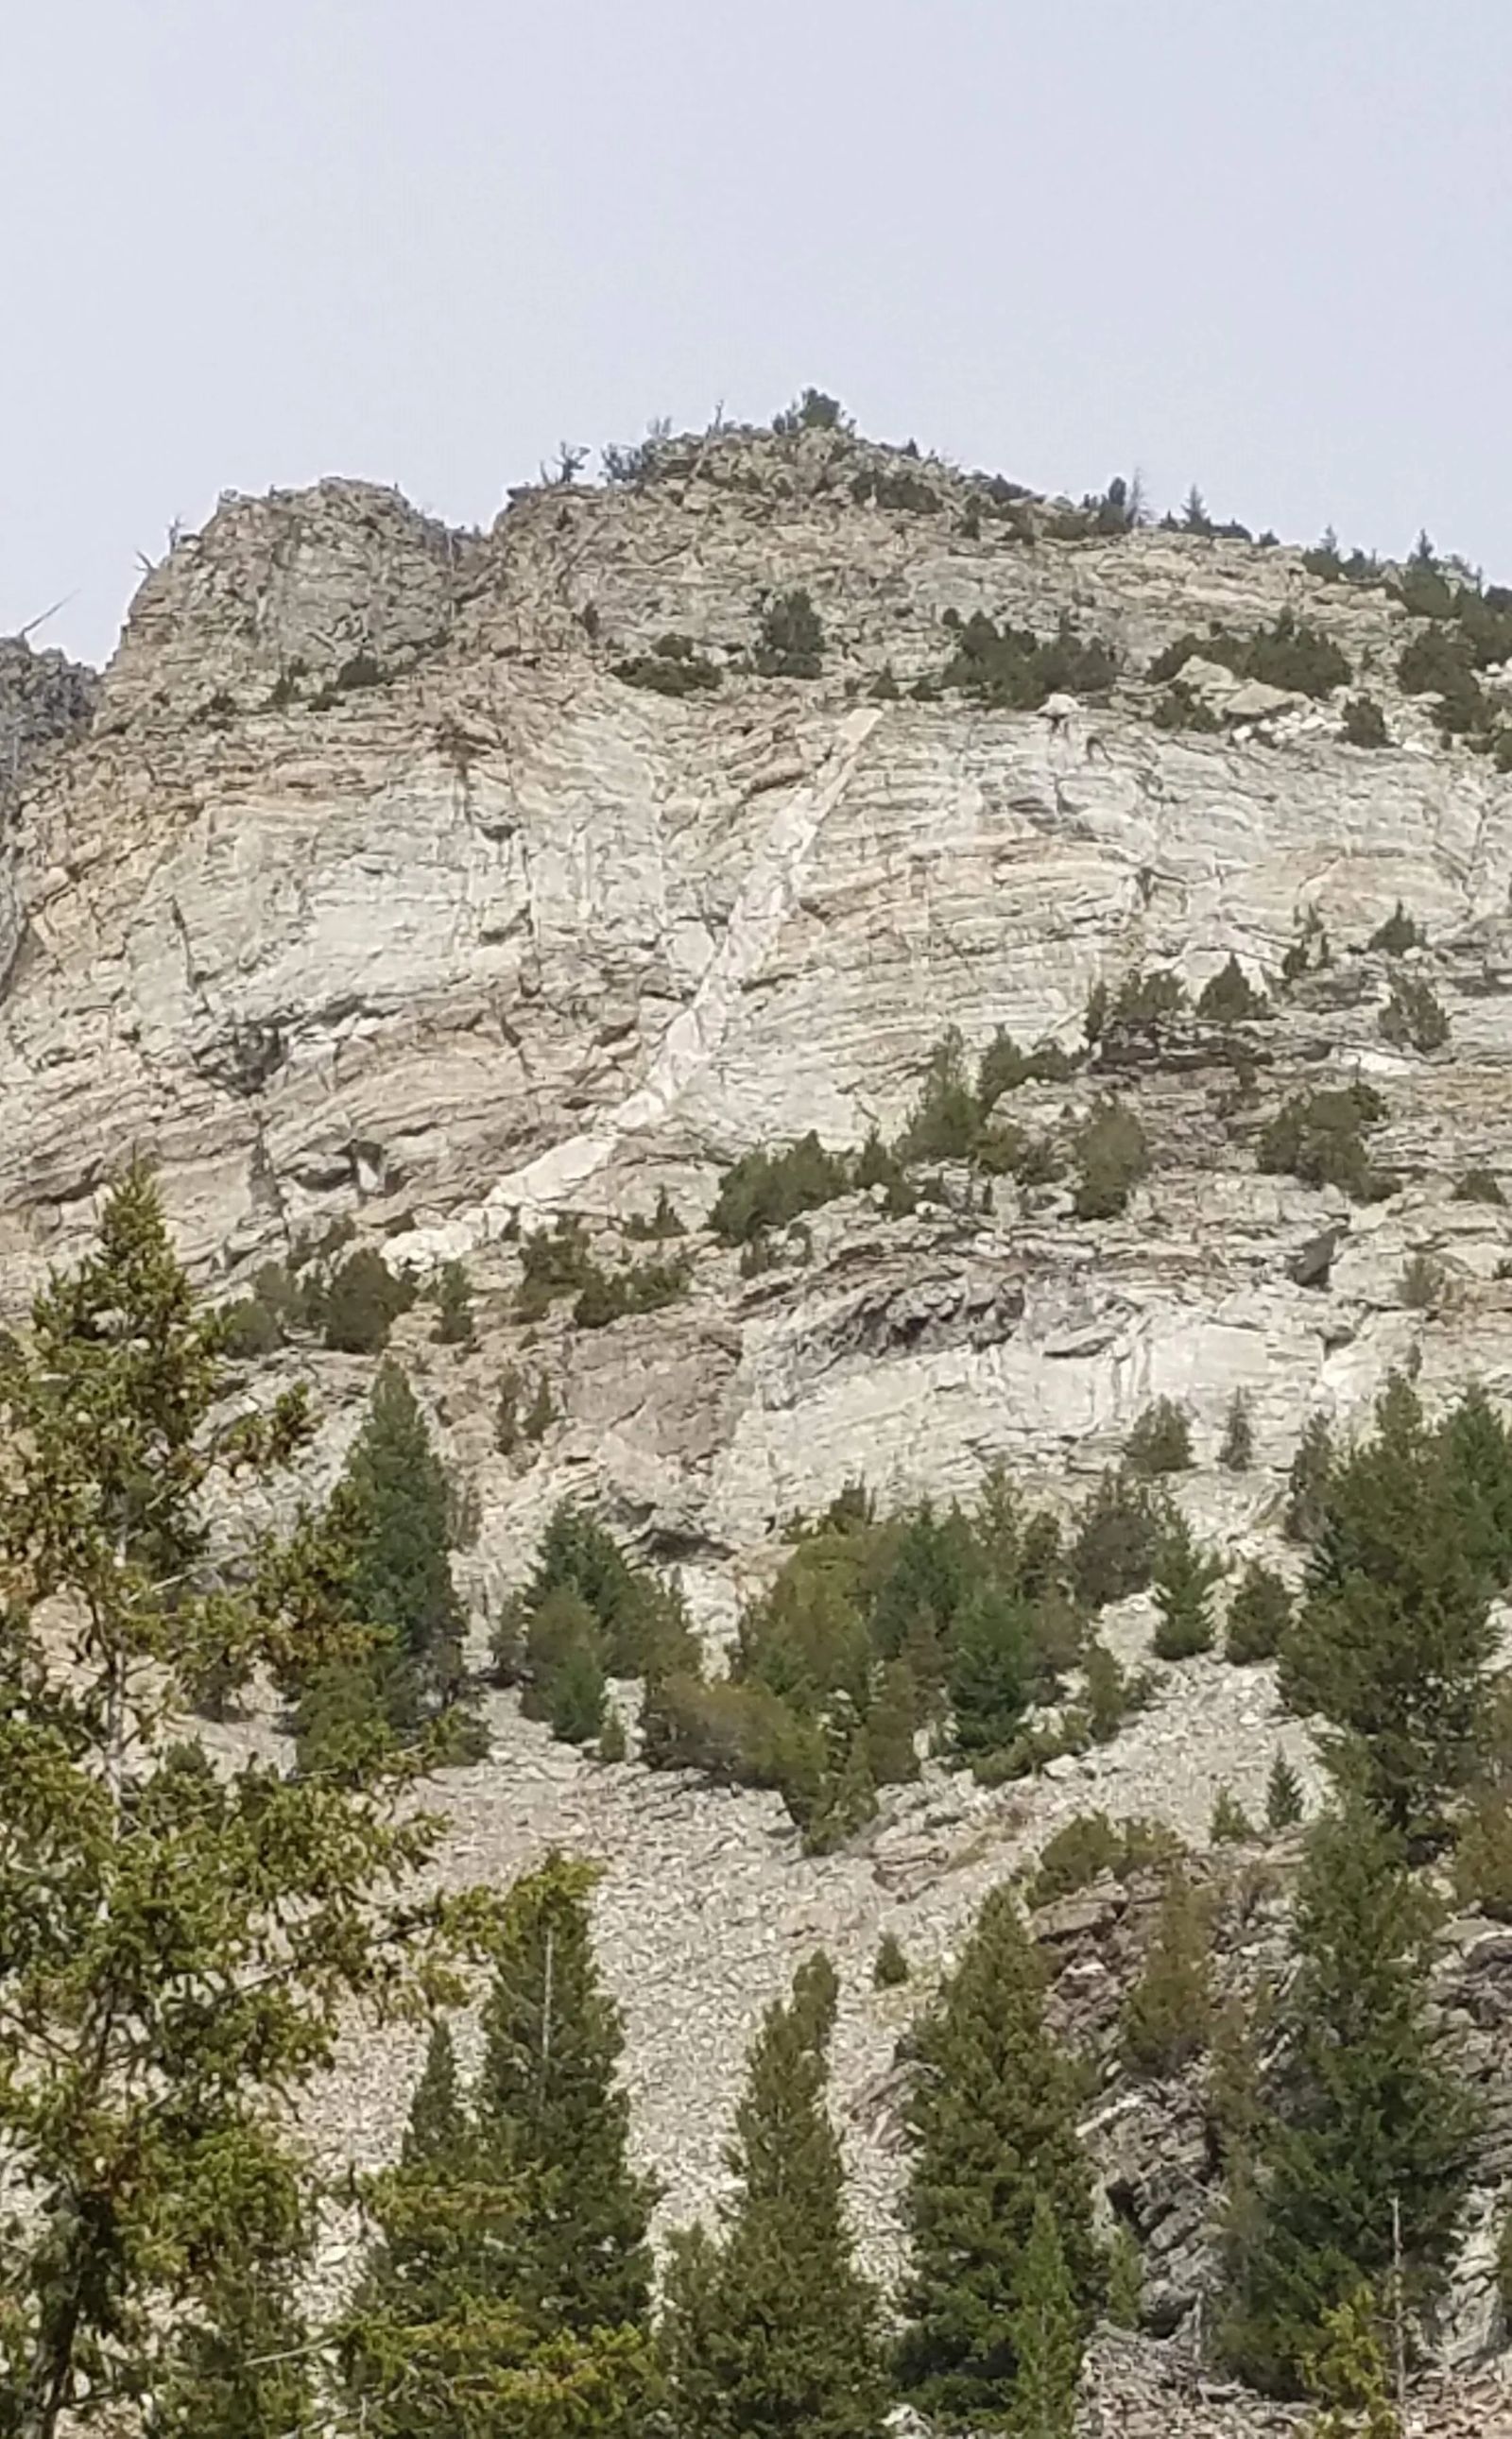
664, 1224
1483, 1857
614, 1745
1229, 998
554, 1262
1016, 670
1259, 1615
1126, 2278
1116, 1541
792, 640
812, 411
1307, 1479
1319, 1137
1479, 1185
1110, 1693
455, 1324
641, 1287
890, 1967
766, 1190
672, 666
1180, 709
1004, 1067
1441, 662
577, 1695
249, 1330
1111, 1156
362, 1302
1183, 1584
1230, 1825
1422, 1283
1398, 933
1291, 655
1236, 1449
1283, 1795
1090, 1845
340, 1720
947, 1120
1168, 2016
1411, 1018
1364, 723
1311, 951
1160, 1442
1149, 999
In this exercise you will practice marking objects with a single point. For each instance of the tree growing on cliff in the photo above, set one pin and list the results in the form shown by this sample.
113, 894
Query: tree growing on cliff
1363, 2151
772, 2330
992, 2115
178, 1944
391, 1509
452, 2327
548, 2093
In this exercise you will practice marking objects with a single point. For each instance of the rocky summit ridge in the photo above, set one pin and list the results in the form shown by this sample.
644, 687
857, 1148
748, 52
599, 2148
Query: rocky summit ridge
384, 882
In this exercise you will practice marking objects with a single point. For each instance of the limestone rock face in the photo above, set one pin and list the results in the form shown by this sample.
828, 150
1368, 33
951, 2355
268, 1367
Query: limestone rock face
379, 888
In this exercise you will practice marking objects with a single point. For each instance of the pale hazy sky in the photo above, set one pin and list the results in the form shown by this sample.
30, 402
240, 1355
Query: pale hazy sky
1263, 244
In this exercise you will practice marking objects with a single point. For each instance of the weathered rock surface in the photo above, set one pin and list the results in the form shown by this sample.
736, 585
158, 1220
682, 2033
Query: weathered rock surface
369, 891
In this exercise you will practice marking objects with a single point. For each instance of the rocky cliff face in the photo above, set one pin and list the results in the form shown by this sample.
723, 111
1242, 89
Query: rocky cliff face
371, 892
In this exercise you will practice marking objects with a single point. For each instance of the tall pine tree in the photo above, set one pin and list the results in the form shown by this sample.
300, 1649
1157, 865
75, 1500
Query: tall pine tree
550, 2099
772, 2333
993, 2117
1047, 2335
1367, 2119
448, 2329
392, 1510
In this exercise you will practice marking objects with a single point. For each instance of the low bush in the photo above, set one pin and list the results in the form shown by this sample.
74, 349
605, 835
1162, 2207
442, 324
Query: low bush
1112, 1156
662, 1225
1398, 933
1229, 997
1479, 1185
672, 666
1308, 1480
1422, 1283
813, 410
1319, 1137
554, 1262
890, 1967
641, 1287
1160, 1442
1291, 655
1311, 951
1180, 709
766, 1190
1364, 723
792, 640
1412, 1018
1230, 1825
1259, 1615
1014, 670
1090, 1846
362, 1301
1483, 1857
455, 1323
1147, 999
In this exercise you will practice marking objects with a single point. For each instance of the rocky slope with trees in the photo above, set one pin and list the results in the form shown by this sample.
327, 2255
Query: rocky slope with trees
847, 1131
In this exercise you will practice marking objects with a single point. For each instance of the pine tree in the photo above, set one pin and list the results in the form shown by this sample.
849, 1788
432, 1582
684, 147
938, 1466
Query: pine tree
991, 1670
993, 2118
1396, 1640
1283, 1795
204, 1932
1238, 1450
1259, 1616
774, 2331
1126, 2278
455, 1324
244, 2366
1184, 1585
1047, 2335
1168, 2012
1346, 2375
892, 1724
1230, 1825
391, 1510
450, 2327
548, 2093
1368, 2115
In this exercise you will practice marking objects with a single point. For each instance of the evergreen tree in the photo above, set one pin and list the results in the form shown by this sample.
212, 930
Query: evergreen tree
244, 2364
1367, 2113
1308, 1481
451, 2328
1238, 1450
391, 1509
1126, 2278
1259, 1616
1047, 2335
773, 2332
1168, 2012
1395, 1639
202, 1934
993, 2118
1346, 2375
1283, 1795
991, 1670
455, 1325
548, 2095
1183, 1587
892, 1723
